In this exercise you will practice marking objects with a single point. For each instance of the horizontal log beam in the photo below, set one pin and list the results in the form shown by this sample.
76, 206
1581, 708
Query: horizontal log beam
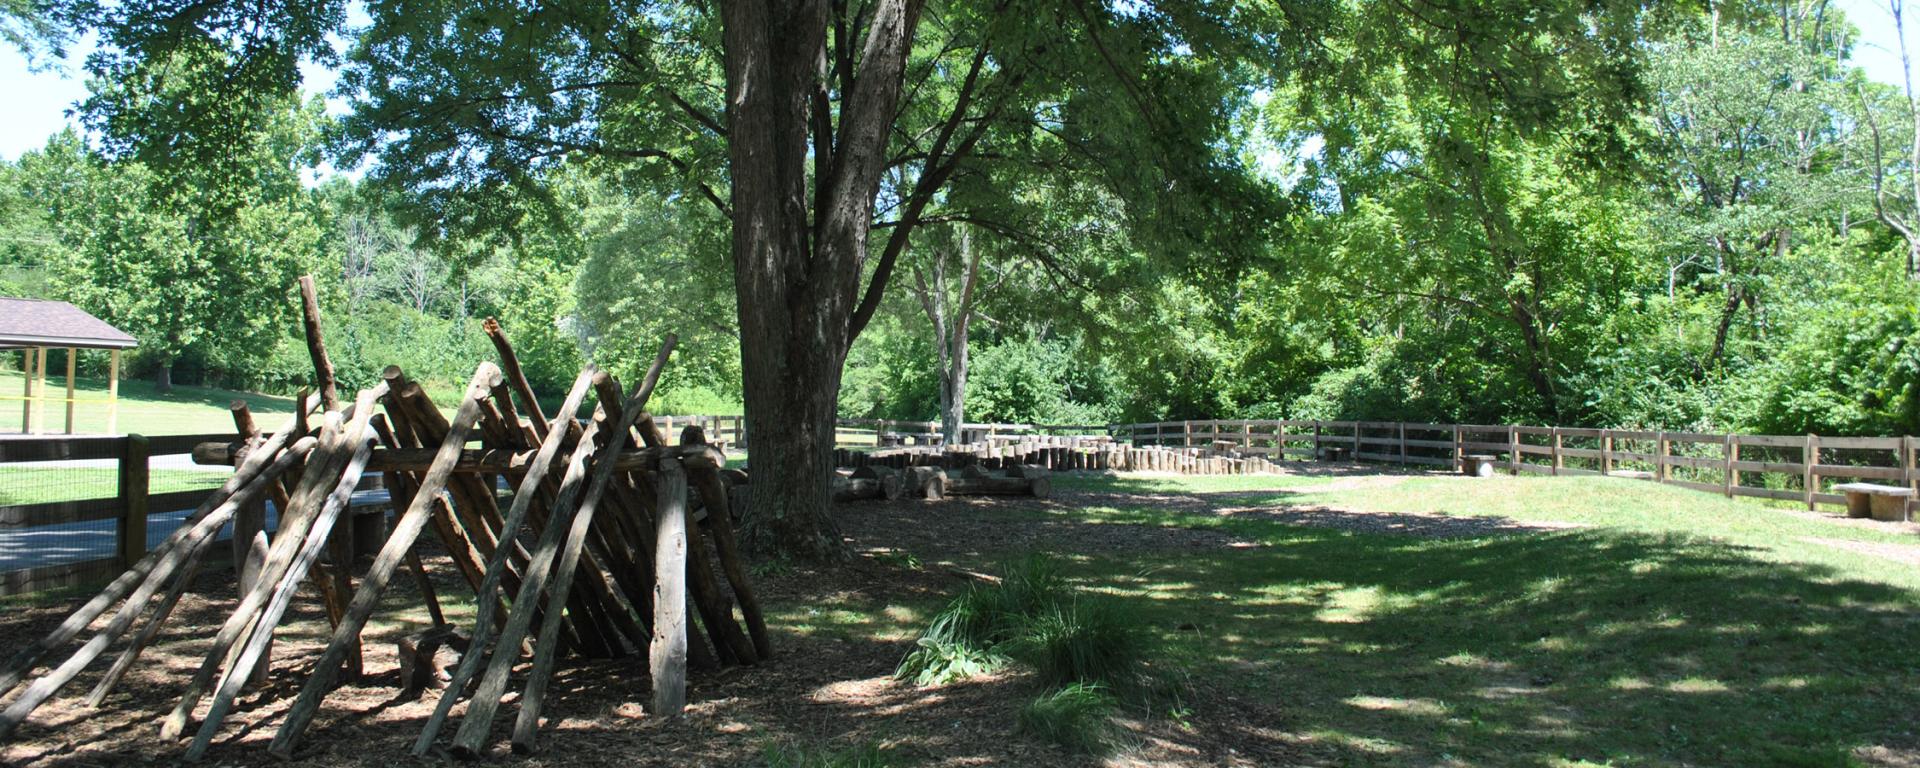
492, 461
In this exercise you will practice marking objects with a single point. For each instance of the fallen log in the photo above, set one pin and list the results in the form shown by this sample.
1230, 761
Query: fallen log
861, 488
1037, 487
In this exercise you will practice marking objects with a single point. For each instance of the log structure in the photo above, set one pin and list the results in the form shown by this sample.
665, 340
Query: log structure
574, 565
1059, 454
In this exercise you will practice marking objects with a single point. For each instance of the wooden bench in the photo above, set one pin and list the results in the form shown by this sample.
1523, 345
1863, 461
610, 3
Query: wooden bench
1477, 465
1881, 502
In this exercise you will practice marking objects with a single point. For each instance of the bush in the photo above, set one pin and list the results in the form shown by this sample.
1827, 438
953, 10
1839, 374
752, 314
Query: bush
1077, 717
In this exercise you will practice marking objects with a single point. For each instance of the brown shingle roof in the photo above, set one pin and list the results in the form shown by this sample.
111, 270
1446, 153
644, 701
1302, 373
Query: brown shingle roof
41, 323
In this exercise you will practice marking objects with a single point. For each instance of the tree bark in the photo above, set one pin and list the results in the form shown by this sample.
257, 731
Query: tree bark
163, 377
799, 243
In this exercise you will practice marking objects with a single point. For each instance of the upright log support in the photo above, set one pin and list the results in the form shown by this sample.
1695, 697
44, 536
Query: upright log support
667, 654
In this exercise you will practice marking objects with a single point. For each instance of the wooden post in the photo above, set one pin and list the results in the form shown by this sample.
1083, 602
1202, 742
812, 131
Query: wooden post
1403, 442
1187, 431
131, 531
70, 356
113, 392
1809, 458
1912, 472
1513, 449
1459, 450
1662, 449
1606, 452
1729, 453
36, 387
26, 390
1317, 455
1558, 460
667, 654
1355, 455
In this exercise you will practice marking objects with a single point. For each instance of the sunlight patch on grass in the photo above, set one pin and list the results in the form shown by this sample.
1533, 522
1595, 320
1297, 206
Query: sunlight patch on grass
1423, 707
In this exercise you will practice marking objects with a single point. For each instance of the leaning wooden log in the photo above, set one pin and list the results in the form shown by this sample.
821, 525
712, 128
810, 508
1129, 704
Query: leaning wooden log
493, 685
405, 531
510, 369
334, 456
316, 346
319, 538
573, 520
249, 540
481, 632
188, 548
267, 455
1039, 487
270, 477
715, 497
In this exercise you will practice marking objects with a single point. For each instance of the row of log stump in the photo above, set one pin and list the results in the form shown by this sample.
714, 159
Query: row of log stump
1063, 454
607, 536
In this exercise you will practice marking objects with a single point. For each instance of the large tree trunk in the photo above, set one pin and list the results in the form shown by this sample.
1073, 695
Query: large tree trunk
163, 377
799, 247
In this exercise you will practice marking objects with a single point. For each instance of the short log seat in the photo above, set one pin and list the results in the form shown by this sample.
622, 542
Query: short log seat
1881, 502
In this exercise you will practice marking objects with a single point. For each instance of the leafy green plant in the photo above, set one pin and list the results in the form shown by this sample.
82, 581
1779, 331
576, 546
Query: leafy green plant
1077, 717
936, 662
898, 559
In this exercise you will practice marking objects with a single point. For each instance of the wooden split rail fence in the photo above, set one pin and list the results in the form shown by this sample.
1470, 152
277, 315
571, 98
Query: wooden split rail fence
1788, 467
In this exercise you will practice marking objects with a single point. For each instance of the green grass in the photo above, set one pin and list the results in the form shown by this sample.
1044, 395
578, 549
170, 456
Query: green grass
868, 755
1675, 628
27, 484
1077, 717
184, 411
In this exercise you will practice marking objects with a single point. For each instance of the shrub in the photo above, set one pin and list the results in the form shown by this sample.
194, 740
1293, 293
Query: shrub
1076, 717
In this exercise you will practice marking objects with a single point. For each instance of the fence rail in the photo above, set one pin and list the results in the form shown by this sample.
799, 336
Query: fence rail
1702, 461
64, 541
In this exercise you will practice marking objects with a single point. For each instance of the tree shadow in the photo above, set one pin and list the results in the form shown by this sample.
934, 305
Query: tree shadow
1593, 645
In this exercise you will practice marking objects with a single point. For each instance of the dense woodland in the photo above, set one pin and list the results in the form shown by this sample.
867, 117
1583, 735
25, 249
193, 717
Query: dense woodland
1703, 219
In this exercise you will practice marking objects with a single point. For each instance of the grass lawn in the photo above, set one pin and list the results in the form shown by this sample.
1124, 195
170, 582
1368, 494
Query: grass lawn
184, 411
1575, 622
24, 484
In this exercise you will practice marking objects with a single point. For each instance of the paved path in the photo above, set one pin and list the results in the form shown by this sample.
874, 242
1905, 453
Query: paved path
94, 539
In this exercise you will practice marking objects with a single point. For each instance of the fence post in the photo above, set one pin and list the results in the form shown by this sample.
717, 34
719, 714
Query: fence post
131, 530
1317, 455
1662, 449
1186, 430
1913, 474
1557, 461
1606, 452
1403, 442
1730, 453
1513, 449
1459, 450
1356, 443
1809, 458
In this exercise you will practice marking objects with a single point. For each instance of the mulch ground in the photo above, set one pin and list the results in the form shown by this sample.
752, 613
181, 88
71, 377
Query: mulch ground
822, 690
